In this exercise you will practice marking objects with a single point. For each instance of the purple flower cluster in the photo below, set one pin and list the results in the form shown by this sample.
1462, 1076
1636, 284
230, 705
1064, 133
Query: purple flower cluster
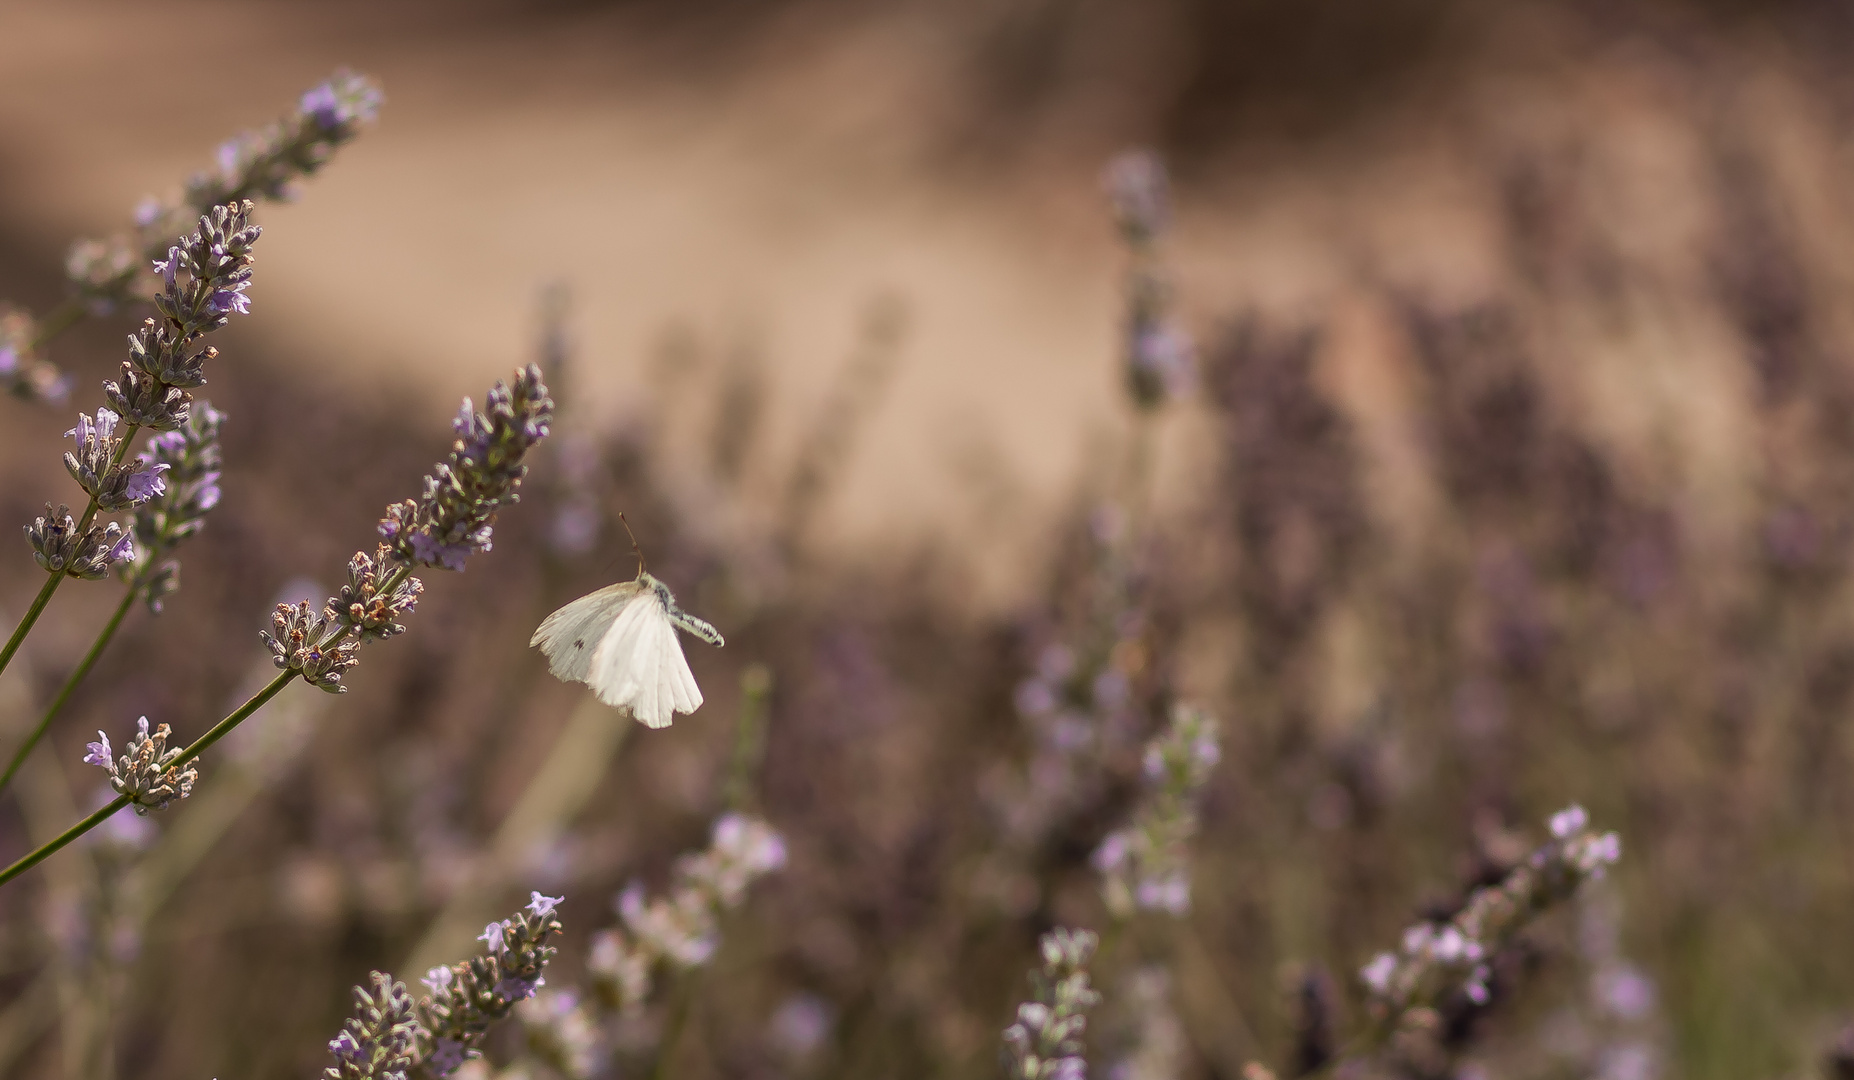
187, 460
93, 464
467, 998
1438, 958
1160, 358
456, 513
1046, 1041
60, 547
379, 1041
262, 164
1146, 866
150, 773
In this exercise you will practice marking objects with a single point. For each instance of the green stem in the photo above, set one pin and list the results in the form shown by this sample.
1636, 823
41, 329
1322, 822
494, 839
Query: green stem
58, 576
52, 582
70, 686
57, 321
238, 716
51, 847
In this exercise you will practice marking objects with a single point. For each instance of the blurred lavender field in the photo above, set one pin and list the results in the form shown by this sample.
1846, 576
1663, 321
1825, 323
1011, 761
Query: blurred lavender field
1517, 471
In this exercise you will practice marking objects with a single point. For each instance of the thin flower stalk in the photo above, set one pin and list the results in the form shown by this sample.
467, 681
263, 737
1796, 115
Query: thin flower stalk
481, 476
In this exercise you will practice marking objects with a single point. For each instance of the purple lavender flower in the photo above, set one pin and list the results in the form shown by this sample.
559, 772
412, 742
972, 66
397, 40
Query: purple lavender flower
145, 484
447, 1056
438, 979
89, 433
346, 1048
229, 300
320, 104
99, 752
122, 551
168, 267
541, 906
231, 151
518, 987
492, 937
428, 550
1568, 822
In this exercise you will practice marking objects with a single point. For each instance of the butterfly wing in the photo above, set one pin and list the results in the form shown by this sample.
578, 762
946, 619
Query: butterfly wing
677, 681
626, 662
569, 637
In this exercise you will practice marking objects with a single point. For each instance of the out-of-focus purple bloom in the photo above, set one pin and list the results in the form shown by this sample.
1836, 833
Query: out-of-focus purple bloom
148, 211
428, 550
1110, 689
99, 752
518, 988
1569, 822
1112, 853
1377, 974
1624, 991
320, 104
1034, 698
1166, 356
801, 1025
231, 154
447, 1056
1137, 186
1055, 663
9, 360
438, 979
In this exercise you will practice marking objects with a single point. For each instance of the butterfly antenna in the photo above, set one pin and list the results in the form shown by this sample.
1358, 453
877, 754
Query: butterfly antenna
636, 548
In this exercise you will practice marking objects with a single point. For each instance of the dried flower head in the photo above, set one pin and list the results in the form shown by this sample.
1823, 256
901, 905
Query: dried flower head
58, 546
304, 640
149, 773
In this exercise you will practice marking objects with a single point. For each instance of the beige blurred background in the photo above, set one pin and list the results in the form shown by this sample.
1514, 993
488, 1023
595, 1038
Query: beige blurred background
731, 186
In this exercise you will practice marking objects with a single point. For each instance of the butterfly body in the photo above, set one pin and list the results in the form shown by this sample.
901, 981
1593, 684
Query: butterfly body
621, 641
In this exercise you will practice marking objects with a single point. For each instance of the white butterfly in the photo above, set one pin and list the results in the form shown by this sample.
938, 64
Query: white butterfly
621, 641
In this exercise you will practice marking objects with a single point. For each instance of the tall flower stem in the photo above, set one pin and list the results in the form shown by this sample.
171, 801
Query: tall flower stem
237, 716
70, 686
57, 321
58, 576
